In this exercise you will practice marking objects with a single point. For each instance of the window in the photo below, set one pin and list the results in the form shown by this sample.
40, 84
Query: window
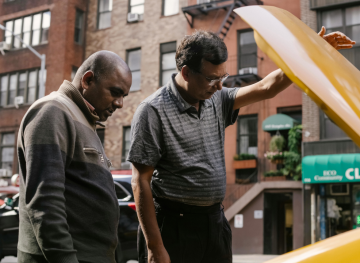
247, 53
247, 134
346, 20
104, 13
328, 129
168, 64
23, 83
134, 62
170, 7
7, 151
126, 145
79, 25
294, 112
33, 29
73, 72
136, 6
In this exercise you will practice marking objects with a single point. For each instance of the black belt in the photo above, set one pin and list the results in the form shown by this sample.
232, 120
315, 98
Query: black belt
168, 207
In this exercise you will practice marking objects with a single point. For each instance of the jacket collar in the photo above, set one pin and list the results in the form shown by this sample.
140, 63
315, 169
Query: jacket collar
74, 94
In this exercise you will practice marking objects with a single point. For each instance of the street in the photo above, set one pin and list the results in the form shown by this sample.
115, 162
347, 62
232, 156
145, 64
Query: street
237, 259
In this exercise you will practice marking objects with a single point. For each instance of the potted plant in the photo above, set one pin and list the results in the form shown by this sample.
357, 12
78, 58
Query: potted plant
244, 161
274, 176
277, 143
275, 157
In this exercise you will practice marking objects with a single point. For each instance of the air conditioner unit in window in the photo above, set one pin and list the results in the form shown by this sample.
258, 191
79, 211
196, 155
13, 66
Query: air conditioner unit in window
19, 100
4, 173
4, 47
250, 70
132, 17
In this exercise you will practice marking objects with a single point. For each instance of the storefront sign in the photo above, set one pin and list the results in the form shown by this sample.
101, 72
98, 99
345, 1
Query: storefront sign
278, 122
336, 168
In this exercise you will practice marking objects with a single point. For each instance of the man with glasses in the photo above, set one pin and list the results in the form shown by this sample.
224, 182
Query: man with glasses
177, 151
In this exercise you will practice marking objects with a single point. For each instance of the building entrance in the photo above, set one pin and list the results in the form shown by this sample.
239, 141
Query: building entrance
278, 223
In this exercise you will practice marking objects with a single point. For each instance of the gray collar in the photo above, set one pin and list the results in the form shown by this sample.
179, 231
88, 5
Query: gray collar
180, 102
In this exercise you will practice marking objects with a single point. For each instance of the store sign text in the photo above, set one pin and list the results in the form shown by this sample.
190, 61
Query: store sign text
351, 174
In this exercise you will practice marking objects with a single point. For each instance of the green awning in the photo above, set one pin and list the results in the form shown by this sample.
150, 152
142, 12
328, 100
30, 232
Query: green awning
334, 168
279, 122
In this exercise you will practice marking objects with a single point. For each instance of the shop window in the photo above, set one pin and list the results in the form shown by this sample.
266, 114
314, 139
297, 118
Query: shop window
346, 20
134, 62
7, 152
33, 30
168, 63
247, 53
126, 146
170, 7
23, 83
79, 27
247, 134
104, 13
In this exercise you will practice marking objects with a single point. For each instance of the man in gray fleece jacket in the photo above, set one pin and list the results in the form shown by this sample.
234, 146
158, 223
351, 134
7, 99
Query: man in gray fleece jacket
68, 206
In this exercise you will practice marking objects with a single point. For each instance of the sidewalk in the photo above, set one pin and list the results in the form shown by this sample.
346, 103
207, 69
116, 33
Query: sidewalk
252, 258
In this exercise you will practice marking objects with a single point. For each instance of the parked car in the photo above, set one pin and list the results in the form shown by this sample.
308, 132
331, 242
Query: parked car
128, 223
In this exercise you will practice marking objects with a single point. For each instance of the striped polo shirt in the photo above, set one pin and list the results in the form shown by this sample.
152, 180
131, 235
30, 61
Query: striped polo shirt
185, 148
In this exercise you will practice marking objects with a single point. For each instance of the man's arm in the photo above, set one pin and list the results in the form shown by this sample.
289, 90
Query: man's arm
146, 213
277, 81
48, 138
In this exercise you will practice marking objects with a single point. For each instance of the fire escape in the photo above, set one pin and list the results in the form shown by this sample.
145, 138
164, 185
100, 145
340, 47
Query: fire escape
207, 7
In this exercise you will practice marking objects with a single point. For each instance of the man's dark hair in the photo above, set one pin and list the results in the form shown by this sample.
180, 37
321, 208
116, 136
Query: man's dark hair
198, 46
102, 64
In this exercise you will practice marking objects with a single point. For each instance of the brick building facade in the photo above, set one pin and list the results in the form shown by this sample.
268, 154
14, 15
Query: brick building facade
48, 26
322, 138
148, 45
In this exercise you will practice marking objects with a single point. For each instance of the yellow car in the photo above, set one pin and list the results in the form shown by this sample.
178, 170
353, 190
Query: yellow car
328, 79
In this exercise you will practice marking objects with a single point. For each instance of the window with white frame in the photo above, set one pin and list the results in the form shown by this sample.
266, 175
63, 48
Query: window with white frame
170, 7
247, 53
136, 6
134, 62
104, 13
22, 83
346, 20
247, 134
79, 27
33, 29
168, 63
7, 152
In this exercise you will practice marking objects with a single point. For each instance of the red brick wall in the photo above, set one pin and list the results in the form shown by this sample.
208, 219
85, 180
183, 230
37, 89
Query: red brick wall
61, 51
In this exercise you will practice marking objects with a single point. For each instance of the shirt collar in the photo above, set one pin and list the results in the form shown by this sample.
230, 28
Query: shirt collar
180, 102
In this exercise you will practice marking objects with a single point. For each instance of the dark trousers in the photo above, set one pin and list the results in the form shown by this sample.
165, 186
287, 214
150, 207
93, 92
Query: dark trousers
191, 234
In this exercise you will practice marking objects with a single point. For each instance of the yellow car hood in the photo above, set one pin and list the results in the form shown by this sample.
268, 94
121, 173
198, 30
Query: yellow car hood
331, 81
310, 62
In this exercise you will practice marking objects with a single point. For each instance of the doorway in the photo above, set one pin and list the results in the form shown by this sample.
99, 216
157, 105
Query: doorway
278, 223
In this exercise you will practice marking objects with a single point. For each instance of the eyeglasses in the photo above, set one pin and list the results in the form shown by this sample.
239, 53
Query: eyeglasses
213, 82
